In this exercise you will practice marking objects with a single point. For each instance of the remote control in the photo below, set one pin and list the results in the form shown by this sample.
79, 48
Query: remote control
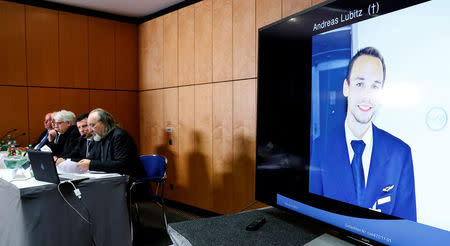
256, 224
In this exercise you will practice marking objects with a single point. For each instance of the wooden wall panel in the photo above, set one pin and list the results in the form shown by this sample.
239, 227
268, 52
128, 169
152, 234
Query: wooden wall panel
244, 53
222, 40
170, 52
12, 44
267, 11
103, 99
40, 102
151, 54
101, 54
222, 144
203, 41
186, 127
293, 6
75, 100
127, 113
73, 50
126, 46
315, 2
42, 46
186, 46
169, 148
201, 160
244, 141
151, 119
15, 113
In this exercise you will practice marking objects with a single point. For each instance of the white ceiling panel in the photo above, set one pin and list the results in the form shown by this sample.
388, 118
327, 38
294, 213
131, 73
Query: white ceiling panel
130, 8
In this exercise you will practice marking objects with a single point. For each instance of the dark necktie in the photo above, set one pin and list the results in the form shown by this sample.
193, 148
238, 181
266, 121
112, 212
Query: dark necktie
357, 169
42, 142
90, 144
56, 138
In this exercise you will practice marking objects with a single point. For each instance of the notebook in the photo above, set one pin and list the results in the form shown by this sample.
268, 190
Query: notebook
44, 168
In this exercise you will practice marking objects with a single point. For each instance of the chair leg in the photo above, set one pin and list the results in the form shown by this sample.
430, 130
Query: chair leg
163, 207
133, 226
130, 210
137, 213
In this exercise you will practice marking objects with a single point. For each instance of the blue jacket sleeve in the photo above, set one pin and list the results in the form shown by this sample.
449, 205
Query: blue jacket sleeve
405, 206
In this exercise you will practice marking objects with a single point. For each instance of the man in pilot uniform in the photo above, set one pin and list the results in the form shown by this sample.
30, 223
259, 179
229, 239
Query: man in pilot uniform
359, 163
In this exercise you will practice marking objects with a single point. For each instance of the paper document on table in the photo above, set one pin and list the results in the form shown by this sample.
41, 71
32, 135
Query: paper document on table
68, 166
45, 148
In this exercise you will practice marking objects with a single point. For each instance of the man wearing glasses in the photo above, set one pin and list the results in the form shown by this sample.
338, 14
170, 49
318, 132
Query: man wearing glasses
117, 149
64, 137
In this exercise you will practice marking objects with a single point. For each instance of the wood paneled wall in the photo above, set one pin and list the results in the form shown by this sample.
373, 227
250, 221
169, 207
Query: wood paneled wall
198, 75
52, 60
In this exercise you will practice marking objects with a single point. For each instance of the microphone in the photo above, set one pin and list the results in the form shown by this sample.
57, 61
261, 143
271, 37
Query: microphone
20, 135
8, 132
14, 138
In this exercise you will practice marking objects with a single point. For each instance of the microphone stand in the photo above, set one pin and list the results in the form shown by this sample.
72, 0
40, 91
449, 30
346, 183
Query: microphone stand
8, 132
16, 136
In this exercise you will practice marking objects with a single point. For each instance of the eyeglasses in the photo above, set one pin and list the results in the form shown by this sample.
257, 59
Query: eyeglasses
59, 122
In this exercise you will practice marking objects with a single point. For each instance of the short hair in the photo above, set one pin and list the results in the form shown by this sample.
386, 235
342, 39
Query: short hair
82, 116
368, 51
65, 116
107, 119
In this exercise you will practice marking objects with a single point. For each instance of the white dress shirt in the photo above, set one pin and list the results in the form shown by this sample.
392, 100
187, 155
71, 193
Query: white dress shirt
367, 154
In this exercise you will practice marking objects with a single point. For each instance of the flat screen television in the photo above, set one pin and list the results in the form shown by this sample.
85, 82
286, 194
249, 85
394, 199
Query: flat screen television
352, 122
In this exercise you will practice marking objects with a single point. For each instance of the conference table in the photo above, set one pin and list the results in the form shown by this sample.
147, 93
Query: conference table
35, 213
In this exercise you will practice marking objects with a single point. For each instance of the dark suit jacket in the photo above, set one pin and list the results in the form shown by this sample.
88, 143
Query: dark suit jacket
390, 166
118, 154
79, 151
66, 142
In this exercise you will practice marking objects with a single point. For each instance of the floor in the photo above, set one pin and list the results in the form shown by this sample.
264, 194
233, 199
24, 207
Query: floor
151, 231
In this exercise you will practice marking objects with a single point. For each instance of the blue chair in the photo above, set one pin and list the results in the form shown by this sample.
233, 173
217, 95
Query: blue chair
155, 167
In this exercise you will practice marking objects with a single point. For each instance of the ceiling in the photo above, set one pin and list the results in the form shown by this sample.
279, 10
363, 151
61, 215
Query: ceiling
129, 8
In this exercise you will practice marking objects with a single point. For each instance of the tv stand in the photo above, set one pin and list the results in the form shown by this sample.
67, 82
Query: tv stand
281, 228
328, 240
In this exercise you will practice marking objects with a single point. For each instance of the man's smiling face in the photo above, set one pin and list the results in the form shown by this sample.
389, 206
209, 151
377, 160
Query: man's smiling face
363, 89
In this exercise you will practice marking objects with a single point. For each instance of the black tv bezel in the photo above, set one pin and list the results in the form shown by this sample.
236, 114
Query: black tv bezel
321, 202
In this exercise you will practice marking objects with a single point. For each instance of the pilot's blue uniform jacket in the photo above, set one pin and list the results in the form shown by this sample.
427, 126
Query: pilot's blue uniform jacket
391, 174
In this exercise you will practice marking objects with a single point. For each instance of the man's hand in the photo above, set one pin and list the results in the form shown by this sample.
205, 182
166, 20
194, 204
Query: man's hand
51, 135
83, 165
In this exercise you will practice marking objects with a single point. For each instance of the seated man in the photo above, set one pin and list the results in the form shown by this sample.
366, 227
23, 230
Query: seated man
43, 138
65, 135
118, 152
85, 147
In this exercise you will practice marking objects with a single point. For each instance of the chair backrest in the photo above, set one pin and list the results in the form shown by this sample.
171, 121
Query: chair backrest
155, 165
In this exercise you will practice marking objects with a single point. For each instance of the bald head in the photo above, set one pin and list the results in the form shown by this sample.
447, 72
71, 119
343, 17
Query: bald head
48, 121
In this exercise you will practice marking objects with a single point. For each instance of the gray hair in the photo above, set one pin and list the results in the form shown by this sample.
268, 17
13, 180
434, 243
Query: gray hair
107, 119
65, 116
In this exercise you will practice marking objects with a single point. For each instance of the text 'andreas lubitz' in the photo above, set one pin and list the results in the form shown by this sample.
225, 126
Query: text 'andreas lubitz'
351, 15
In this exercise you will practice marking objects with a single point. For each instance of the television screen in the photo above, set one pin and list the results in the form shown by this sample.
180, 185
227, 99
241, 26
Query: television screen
352, 118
